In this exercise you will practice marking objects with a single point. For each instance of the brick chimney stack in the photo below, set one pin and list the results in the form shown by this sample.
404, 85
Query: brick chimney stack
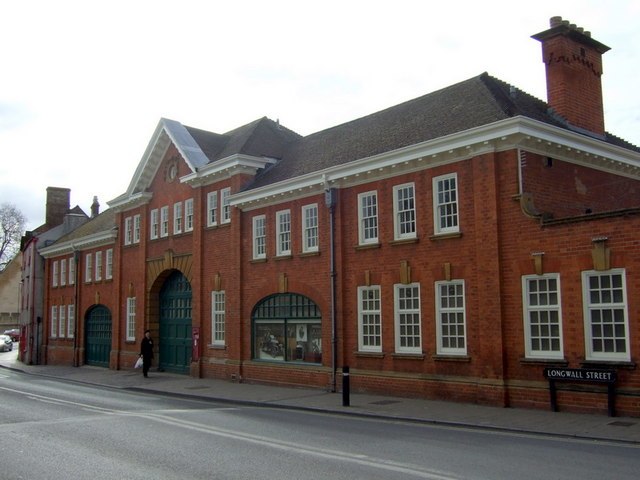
573, 63
58, 204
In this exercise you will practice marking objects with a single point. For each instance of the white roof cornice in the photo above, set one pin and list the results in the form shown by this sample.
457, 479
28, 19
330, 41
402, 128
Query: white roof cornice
237, 163
516, 132
125, 202
90, 241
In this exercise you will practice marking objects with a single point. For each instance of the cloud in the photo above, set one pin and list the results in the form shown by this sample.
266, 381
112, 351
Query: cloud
88, 81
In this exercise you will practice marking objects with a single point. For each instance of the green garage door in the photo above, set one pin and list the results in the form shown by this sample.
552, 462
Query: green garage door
98, 336
175, 324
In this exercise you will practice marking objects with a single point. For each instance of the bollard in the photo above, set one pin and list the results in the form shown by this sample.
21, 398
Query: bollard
345, 386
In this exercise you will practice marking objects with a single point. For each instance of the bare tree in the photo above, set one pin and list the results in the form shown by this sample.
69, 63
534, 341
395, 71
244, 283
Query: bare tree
12, 223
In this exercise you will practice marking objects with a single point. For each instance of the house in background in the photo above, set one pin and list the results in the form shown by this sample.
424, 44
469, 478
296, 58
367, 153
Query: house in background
59, 220
454, 246
9, 294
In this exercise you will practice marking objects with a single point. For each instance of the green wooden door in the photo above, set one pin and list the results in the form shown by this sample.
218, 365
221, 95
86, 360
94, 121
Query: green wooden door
98, 336
175, 324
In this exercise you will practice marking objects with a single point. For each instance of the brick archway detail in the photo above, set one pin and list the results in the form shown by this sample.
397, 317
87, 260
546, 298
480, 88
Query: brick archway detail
158, 270
156, 267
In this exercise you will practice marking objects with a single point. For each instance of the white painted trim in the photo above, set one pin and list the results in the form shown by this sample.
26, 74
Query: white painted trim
238, 162
527, 309
516, 132
90, 241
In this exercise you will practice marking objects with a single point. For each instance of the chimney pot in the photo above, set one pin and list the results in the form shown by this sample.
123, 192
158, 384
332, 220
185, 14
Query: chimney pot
555, 21
95, 207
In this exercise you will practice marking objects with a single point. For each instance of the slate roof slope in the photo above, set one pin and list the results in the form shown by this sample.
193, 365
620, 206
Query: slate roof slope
261, 138
103, 222
478, 101
45, 228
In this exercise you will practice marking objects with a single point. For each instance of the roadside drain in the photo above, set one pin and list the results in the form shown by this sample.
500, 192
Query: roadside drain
384, 402
619, 423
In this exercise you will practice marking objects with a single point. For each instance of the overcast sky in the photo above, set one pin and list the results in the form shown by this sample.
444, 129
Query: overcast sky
83, 84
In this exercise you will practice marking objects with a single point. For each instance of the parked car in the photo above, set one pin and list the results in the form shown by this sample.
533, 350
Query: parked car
6, 344
14, 333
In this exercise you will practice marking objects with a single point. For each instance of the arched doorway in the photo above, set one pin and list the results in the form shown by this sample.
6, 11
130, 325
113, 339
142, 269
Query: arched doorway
175, 324
287, 327
98, 336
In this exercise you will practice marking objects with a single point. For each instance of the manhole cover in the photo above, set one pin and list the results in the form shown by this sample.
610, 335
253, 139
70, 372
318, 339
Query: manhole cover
622, 424
385, 402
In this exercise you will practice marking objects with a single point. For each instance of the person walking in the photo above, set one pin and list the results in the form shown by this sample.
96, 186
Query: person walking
146, 352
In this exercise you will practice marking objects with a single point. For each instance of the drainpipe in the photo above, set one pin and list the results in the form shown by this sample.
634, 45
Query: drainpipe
521, 161
331, 200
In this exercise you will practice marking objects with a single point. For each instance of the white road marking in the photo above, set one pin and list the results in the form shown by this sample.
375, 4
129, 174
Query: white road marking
360, 459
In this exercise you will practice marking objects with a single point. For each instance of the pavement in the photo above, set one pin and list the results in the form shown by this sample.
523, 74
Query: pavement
590, 427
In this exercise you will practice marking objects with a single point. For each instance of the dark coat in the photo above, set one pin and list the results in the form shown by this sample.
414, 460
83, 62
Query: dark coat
146, 348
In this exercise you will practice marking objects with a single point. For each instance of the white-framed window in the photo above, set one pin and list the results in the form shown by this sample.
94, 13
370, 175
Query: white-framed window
72, 270
225, 193
310, 228
218, 317
131, 318
177, 218
212, 209
108, 271
542, 314
63, 272
98, 266
606, 323
407, 318
368, 217
259, 237
54, 274
445, 204
62, 321
451, 318
128, 231
71, 320
404, 210
136, 228
54, 321
155, 225
88, 268
369, 319
188, 215
164, 221
283, 232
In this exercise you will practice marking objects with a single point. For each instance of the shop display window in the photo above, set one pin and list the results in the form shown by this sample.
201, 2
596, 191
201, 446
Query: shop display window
287, 328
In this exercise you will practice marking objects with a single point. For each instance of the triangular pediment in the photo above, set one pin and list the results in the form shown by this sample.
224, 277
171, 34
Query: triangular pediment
246, 149
167, 133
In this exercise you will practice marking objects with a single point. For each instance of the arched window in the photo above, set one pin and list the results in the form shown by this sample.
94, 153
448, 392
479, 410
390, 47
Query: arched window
287, 328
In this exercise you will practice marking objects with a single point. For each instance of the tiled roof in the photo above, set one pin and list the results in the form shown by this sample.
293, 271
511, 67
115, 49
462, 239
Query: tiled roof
261, 138
478, 101
103, 222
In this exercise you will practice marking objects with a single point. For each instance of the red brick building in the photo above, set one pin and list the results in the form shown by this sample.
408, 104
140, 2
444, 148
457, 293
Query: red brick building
453, 246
